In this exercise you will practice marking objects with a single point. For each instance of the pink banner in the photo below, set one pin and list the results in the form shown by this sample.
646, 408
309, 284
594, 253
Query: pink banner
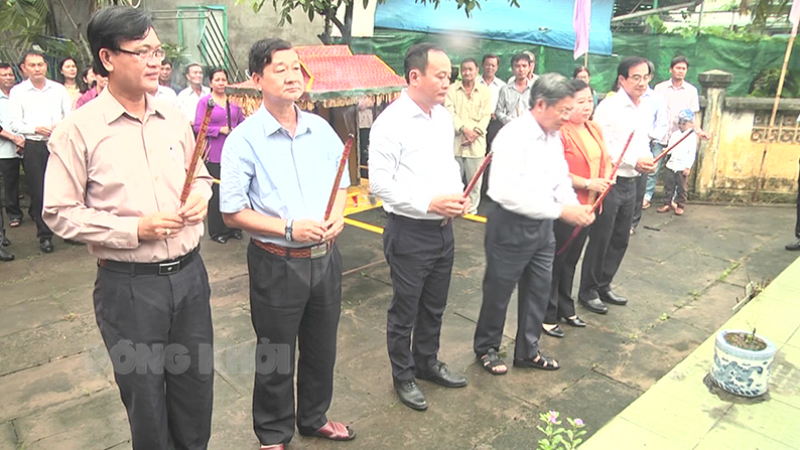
581, 20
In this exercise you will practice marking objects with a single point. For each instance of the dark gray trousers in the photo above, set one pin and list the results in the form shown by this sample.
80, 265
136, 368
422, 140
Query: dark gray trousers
9, 172
158, 332
519, 250
420, 254
35, 163
608, 239
561, 302
295, 305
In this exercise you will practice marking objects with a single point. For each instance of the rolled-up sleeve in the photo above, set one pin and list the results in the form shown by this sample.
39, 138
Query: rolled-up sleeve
65, 210
237, 170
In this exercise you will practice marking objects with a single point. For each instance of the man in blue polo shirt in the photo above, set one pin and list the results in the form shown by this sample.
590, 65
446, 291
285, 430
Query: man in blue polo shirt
277, 169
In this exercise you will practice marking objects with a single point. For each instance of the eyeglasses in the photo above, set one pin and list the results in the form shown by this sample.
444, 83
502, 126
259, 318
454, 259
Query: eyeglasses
146, 55
565, 111
640, 78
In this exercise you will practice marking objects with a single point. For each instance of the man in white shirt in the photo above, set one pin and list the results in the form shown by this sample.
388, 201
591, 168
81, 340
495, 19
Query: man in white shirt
37, 106
490, 64
629, 110
513, 100
188, 98
166, 94
531, 187
413, 170
9, 161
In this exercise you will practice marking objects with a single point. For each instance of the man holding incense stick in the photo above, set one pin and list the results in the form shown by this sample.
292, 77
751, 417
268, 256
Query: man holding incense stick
116, 170
627, 111
277, 172
413, 170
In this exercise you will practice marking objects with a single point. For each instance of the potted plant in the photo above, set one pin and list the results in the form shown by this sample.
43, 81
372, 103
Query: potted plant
742, 362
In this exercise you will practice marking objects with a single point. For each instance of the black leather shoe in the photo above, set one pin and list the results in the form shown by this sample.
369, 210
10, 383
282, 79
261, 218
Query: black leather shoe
410, 394
793, 246
5, 256
441, 375
594, 305
576, 322
611, 297
555, 331
237, 234
46, 246
222, 238
5, 242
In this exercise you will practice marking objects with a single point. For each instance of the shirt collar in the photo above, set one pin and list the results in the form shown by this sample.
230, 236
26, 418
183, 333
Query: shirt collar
113, 110
495, 82
411, 108
3, 95
672, 86
536, 131
460, 85
28, 85
271, 124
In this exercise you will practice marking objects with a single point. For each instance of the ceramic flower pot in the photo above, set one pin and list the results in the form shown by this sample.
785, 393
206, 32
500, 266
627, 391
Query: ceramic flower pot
741, 371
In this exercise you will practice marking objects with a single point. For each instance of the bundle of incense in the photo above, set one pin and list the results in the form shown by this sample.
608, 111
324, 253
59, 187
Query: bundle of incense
599, 200
200, 152
486, 160
664, 153
342, 163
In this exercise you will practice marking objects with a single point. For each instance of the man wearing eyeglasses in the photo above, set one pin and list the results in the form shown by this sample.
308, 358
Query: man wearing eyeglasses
116, 170
629, 110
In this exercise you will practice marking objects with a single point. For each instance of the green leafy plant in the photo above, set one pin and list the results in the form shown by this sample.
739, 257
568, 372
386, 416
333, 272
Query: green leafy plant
765, 84
176, 54
558, 437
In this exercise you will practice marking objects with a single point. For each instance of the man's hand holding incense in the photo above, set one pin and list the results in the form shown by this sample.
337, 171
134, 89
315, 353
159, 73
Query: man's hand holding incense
195, 209
645, 165
448, 205
308, 231
578, 215
159, 226
333, 227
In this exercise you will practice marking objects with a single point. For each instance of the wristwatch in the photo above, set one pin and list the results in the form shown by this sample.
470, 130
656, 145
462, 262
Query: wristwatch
289, 223
587, 183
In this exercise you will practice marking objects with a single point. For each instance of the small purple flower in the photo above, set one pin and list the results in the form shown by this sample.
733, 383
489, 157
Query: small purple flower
553, 417
578, 423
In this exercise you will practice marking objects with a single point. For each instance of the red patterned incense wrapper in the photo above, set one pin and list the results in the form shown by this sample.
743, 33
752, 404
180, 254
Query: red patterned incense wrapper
342, 163
199, 151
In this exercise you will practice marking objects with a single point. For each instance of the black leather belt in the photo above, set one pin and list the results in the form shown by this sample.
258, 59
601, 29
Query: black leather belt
162, 268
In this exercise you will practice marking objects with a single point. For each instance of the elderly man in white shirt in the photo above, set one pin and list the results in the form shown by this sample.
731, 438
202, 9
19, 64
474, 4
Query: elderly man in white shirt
37, 106
413, 170
629, 110
531, 187
189, 97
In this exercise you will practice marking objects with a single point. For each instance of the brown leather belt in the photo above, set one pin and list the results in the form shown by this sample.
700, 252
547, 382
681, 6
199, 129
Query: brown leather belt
314, 252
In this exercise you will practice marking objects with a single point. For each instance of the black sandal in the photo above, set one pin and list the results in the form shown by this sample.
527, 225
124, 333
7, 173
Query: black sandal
539, 362
490, 360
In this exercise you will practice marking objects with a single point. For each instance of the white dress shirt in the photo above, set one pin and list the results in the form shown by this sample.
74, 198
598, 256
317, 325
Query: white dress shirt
658, 132
8, 149
166, 94
411, 158
31, 107
494, 87
682, 156
618, 116
529, 175
187, 101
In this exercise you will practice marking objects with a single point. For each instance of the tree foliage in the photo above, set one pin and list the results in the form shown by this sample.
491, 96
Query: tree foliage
327, 9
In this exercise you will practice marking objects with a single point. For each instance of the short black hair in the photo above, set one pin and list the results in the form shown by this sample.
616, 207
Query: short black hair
262, 51
580, 69
109, 27
4, 65
624, 67
578, 85
677, 60
520, 57
166, 62
417, 58
469, 60
215, 70
490, 56
194, 64
31, 53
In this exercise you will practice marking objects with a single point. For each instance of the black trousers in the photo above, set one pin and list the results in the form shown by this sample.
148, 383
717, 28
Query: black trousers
158, 332
35, 164
797, 223
519, 250
216, 226
641, 190
420, 254
363, 146
561, 302
293, 301
9, 171
491, 131
608, 239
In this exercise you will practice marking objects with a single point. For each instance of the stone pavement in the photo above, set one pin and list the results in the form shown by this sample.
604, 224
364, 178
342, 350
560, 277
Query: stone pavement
682, 274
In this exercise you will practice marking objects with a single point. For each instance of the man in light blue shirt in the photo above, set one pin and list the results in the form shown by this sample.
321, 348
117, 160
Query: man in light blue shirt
277, 171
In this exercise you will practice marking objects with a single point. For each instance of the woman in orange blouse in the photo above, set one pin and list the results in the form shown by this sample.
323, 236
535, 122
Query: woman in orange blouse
589, 165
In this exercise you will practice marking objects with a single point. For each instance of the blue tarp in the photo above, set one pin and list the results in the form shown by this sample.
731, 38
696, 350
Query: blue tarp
540, 22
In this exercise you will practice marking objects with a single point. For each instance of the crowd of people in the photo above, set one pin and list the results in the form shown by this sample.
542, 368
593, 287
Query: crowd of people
116, 167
